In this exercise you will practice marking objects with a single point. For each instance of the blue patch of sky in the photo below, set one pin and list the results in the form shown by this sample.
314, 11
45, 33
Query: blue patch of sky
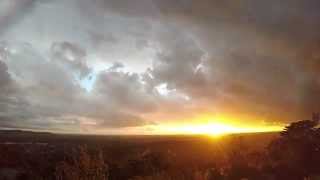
88, 82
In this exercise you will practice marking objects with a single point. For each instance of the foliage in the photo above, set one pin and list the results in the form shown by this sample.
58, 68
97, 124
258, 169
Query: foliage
82, 166
296, 154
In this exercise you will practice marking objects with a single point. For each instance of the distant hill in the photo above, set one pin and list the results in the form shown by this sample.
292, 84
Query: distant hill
16, 132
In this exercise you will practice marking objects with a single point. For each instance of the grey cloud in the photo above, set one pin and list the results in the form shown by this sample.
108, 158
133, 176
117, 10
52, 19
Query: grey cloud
99, 39
13, 106
5, 79
71, 55
46, 92
122, 119
37, 81
116, 66
106, 37
178, 59
124, 90
12, 11
144, 8
250, 73
309, 93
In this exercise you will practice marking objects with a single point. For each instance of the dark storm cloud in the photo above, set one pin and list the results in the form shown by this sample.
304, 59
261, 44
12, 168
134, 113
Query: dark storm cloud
256, 50
261, 58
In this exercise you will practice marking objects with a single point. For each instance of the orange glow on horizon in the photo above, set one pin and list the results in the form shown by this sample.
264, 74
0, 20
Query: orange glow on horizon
212, 125
213, 129
207, 125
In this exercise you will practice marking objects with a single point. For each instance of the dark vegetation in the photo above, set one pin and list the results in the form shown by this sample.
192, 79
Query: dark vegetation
294, 154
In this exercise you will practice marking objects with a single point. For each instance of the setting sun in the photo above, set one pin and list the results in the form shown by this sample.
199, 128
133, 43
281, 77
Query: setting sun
214, 126
214, 129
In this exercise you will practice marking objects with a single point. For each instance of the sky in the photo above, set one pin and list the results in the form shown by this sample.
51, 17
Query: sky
158, 66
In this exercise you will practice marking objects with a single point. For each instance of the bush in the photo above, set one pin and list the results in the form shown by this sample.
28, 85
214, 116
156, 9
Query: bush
82, 166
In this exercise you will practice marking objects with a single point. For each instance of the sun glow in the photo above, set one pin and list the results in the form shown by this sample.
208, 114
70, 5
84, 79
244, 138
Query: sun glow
210, 127
213, 129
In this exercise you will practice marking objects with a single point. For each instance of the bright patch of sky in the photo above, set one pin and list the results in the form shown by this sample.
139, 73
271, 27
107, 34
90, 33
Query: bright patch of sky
88, 82
163, 89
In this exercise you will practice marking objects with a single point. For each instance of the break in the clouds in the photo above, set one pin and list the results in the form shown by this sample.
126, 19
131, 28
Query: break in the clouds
108, 65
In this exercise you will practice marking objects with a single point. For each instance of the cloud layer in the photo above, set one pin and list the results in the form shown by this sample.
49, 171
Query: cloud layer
109, 65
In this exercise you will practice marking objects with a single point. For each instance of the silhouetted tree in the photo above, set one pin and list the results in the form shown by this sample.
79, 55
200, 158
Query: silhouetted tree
296, 153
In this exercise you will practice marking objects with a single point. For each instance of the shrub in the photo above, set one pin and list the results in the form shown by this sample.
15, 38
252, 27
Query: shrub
82, 166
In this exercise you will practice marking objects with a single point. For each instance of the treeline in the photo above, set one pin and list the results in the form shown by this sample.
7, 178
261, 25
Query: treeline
294, 155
